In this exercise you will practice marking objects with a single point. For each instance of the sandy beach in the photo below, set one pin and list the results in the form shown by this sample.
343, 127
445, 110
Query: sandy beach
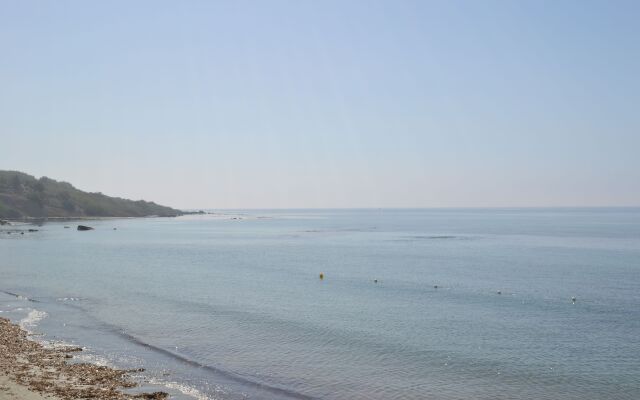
10, 390
31, 371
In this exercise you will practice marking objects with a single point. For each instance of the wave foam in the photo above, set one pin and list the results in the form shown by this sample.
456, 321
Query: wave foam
69, 299
32, 319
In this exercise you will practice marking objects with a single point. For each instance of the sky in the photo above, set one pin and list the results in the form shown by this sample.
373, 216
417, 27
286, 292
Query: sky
321, 104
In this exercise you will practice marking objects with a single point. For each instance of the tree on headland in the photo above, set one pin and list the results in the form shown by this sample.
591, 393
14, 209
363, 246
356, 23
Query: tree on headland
16, 184
39, 187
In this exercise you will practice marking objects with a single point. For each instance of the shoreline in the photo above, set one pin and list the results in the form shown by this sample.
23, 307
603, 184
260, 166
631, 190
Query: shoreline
30, 220
40, 220
32, 371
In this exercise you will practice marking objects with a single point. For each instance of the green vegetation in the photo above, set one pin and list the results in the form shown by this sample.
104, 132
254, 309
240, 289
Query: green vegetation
24, 196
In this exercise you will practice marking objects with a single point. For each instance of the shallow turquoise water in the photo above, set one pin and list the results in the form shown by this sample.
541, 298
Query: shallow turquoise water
230, 305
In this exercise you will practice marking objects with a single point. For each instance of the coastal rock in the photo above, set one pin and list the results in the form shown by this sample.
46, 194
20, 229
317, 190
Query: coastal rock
84, 228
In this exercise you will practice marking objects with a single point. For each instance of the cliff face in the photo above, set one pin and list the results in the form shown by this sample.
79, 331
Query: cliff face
24, 196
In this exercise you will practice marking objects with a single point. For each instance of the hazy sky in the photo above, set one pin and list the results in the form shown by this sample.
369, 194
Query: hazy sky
257, 104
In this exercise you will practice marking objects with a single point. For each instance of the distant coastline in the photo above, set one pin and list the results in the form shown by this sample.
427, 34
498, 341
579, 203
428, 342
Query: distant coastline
24, 197
94, 218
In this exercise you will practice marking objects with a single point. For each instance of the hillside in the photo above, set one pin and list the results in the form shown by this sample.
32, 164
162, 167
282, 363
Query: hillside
24, 196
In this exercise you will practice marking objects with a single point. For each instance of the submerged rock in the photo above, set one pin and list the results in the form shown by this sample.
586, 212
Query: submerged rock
84, 228
153, 396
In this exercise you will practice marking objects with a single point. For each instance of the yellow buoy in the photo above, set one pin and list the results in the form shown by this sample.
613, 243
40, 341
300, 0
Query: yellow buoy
321, 275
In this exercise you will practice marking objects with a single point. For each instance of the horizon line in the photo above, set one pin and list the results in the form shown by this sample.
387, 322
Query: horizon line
415, 208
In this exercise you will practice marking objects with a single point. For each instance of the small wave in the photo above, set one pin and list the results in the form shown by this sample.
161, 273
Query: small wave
32, 319
95, 359
433, 237
227, 374
56, 344
342, 230
69, 299
18, 296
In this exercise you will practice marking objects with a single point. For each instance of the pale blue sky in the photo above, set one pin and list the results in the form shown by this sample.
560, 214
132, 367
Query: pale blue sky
257, 104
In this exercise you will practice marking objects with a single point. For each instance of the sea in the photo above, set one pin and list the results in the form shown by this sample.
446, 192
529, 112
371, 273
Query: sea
436, 304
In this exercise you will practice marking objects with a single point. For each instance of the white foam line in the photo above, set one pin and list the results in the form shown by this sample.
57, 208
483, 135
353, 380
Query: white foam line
34, 316
32, 319
68, 299
94, 359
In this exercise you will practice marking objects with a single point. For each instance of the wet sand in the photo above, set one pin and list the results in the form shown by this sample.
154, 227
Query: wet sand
10, 390
31, 371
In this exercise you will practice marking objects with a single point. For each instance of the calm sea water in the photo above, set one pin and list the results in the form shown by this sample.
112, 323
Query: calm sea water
230, 306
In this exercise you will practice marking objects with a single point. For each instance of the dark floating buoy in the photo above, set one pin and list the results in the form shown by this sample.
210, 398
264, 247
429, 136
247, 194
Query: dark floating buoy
435, 286
375, 281
573, 300
321, 276
499, 292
